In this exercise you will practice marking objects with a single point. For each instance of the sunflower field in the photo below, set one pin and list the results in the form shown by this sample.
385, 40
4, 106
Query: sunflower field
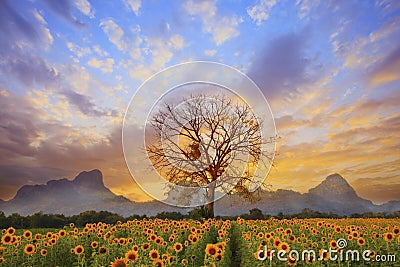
158, 242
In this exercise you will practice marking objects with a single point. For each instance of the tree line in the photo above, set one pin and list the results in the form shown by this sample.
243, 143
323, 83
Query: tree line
41, 220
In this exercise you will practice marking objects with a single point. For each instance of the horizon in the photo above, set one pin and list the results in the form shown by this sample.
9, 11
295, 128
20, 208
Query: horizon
330, 73
151, 199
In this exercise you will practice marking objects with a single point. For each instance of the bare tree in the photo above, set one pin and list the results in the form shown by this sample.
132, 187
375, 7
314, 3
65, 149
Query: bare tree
208, 141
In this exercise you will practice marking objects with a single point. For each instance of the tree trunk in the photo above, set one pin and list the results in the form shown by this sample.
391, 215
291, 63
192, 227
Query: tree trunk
210, 199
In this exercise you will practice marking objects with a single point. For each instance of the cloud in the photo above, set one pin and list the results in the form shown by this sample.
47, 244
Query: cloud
99, 51
380, 189
18, 51
63, 9
288, 122
83, 103
126, 43
177, 41
133, 5
114, 33
388, 70
365, 55
12, 23
17, 129
160, 52
260, 12
34, 150
28, 68
281, 67
221, 28
305, 7
210, 52
85, 7
45, 32
20, 29
79, 51
356, 139
105, 65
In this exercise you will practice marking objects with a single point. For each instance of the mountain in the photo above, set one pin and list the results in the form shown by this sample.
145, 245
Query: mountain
339, 197
87, 192
334, 194
334, 188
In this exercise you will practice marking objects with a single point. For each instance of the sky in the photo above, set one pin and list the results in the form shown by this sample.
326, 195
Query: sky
330, 71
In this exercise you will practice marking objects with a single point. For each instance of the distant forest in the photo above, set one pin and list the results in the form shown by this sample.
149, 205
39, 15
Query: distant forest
40, 220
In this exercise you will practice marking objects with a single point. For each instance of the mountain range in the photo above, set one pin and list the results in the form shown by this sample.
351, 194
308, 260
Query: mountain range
88, 192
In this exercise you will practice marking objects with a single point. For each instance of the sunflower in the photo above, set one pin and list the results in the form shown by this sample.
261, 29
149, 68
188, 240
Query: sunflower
79, 250
372, 254
184, 261
135, 248
178, 247
119, 262
222, 245
2, 260
323, 255
11, 230
62, 233
361, 241
103, 250
284, 246
43, 252
389, 237
291, 260
333, 244
6, 239
276, 242
211, 249
152, 237
195, 239
94, 244
158, 263
154, 254
396, 231
310, 258
145, 246
171, 260
27, 234
288, 231
29, 249
131, 256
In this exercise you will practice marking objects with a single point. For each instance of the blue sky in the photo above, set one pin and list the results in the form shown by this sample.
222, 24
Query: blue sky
329, 69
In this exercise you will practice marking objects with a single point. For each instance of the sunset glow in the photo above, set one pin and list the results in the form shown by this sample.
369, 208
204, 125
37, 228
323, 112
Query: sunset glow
329, 70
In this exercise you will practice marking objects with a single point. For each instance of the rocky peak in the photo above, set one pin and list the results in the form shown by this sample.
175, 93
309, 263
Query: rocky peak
90, 179
333, 186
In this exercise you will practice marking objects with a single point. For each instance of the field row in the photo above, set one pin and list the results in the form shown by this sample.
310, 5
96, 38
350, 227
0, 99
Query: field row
212, 242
